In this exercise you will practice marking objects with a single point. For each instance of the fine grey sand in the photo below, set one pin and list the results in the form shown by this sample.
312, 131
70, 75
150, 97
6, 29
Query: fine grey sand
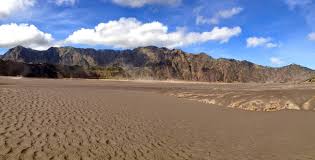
94, 119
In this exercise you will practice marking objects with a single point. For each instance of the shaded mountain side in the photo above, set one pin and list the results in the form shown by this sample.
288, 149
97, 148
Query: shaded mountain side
9, 68
160, 63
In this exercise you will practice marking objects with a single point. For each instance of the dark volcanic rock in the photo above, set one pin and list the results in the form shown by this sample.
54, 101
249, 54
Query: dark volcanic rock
161, 63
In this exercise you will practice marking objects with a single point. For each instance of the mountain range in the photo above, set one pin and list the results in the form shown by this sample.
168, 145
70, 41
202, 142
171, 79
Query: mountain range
143, 63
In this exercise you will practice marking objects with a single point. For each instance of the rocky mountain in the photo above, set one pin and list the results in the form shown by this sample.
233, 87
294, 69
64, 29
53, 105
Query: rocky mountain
159, 63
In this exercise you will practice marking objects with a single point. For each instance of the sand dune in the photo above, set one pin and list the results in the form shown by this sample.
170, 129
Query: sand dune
261, 99
91, 119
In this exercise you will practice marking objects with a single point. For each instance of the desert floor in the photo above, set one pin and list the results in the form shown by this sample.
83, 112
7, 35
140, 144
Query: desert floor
95, 119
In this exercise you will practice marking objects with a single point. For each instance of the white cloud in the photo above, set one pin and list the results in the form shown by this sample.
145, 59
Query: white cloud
141, 3
272, 45
131, 33
8, 7
230, 13
223, 14
311, 36
253, 42
65, 2
297, 3
23, 34
276, 61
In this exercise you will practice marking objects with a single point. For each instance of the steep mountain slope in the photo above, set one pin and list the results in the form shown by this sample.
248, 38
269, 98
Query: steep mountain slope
161, 63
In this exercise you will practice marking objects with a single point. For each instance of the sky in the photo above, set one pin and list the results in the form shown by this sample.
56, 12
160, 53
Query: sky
267, 32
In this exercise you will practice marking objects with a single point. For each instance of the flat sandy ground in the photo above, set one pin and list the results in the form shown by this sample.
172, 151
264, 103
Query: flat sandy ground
94, 119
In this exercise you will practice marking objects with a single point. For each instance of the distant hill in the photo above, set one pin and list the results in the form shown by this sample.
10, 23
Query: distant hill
158, 63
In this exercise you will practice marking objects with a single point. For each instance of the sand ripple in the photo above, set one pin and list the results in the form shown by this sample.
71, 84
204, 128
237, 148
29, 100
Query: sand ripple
78, 119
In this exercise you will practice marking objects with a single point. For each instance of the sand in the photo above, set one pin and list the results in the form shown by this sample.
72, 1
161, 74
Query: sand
94, 119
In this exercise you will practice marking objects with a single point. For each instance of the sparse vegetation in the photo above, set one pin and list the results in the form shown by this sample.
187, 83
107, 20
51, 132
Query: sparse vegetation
311, 80
108, 72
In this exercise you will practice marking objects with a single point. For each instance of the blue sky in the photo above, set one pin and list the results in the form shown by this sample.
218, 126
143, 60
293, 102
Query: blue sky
269, 32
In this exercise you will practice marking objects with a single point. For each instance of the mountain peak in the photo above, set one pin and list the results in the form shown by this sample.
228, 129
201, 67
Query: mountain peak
19, 47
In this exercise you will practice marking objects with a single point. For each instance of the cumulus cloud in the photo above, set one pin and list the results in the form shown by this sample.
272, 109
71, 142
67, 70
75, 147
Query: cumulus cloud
65, 2
24, 34
276, 61
8, 7
253, 42
141, 3
222, 14
311, 36
131, 33
297, 3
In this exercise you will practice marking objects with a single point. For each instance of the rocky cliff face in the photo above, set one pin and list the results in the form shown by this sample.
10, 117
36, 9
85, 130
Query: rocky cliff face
161, 63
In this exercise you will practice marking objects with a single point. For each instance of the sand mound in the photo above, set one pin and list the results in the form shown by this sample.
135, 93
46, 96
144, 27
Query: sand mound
253, 98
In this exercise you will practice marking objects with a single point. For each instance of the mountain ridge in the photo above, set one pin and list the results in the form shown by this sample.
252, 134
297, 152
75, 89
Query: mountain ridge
161, 63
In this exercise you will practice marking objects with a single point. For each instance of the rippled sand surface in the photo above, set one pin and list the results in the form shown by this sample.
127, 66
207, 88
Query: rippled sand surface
94, 119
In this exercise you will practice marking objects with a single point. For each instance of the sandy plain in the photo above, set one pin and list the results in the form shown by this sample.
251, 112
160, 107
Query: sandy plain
95, 119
